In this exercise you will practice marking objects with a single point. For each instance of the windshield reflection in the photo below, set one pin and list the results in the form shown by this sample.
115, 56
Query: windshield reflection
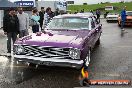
68, 23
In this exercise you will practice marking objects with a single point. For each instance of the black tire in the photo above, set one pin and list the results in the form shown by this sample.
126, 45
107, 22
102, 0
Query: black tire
85, 82
32, 65
98, 41
88, 58
107, 21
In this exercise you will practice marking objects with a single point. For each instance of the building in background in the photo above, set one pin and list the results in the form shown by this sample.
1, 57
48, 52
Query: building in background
76, 2
61, 5
4, 6
1, 18
27, 3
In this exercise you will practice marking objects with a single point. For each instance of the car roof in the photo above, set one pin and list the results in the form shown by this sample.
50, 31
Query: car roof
128, 11
73, 15
86, 13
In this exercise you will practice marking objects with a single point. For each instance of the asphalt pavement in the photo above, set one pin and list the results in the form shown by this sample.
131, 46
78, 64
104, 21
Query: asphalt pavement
111, 60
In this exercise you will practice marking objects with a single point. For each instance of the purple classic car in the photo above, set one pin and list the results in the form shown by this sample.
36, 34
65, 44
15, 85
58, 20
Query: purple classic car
67, 41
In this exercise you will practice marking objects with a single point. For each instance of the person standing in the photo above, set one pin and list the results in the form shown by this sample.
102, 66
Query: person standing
35, 17
23, 23
57, 12
98, 13
123, 17
10, 28
47, 17
51, 14
41, 14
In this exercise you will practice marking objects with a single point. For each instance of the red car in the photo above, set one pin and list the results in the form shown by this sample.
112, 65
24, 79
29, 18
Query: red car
128, 19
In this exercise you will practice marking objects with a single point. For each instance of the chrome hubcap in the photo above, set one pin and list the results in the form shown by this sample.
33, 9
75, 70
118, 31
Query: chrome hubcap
88, 58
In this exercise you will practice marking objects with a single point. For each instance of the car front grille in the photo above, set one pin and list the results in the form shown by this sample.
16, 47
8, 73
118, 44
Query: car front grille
47, 52
113, 17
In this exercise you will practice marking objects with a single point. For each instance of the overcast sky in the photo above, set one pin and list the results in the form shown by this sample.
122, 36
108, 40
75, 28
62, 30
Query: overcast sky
88, 1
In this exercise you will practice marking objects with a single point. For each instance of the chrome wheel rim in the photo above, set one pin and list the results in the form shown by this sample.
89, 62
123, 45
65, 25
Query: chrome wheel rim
88, 58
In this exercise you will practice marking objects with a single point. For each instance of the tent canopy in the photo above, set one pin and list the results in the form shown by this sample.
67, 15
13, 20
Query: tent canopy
6, 3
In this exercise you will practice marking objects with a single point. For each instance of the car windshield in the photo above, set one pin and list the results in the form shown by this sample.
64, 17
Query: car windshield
112, 14
86, 13
68, 23
129, 13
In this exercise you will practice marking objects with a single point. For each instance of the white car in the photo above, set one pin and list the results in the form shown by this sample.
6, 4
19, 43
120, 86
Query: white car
87, 13
112, 17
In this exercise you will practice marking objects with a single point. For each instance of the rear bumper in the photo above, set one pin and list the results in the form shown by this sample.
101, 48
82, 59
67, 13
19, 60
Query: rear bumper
128, 23
50, 62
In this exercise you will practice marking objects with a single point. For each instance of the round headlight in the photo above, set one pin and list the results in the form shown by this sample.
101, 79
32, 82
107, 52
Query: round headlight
74, 53
19, 49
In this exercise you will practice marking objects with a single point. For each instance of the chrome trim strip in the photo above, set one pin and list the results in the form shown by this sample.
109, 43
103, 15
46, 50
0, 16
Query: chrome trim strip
49, 59
44, 46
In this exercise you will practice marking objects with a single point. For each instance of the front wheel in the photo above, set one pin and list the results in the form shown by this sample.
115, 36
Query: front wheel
88, 58
98, 41
32, 65
107, 21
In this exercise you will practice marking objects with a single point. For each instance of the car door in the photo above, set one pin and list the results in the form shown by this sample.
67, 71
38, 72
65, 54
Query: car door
92, 32
97, 29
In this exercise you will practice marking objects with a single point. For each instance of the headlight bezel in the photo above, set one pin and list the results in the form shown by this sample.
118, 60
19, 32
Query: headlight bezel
19, 49
74, 53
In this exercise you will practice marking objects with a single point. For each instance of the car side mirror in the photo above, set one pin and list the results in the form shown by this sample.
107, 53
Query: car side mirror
96, 29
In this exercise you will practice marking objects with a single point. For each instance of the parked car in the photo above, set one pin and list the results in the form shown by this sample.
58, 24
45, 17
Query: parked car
67, 41
128, 19
112, 17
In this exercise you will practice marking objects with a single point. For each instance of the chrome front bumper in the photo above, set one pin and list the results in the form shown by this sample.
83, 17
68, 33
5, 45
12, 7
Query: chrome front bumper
50, 61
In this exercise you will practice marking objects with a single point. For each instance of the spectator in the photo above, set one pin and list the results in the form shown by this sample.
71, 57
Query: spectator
92, 12
23, 22
41, 14
82, 11
35, 17
98, 13
76, 12
123, 17
51, 14
47, 17
11, 28
106, 14
57, 12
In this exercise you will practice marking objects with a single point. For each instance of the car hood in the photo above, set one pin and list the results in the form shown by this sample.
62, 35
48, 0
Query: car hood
65, 38
129, 17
